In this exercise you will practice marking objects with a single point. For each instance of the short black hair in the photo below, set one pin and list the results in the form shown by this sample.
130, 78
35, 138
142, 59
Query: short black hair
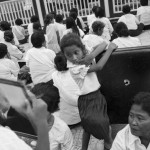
59, 18
3, 50
48, 18
97, 25
144, 2
121, 29
74, 10
49, 94
8, 36
99, 12
143, 99
94, 9
37, 39
34, 19
4, 25
126, 9
54, 14
18, 22
73, 15
37, 26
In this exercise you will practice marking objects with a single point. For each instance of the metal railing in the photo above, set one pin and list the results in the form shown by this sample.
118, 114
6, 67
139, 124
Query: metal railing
63, 6
118, 4
11, 10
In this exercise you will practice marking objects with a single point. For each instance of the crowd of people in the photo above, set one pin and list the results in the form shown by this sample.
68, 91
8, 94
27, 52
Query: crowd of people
60, 68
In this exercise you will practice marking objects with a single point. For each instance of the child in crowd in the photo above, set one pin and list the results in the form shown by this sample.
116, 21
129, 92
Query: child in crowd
8, 69
94, 39
60, 136
72, 28
100, 16
13, 50
134, 26
52, 33
78, 86
124, 39
143, 14
19, 31
30, 25
39, 59
5, 26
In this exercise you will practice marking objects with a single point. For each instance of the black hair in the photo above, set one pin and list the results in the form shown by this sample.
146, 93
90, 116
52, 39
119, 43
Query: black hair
18, 22
59, 18
34, 19
143, 99
60, 62
8, 36
121, 29
37, 26
99, 12
73, 15
4, 25
70, 24
94, 9
74, 10
97, 25
37, 39
3, 50
49, 94
54, 14
126, 9
72, 39
144, 2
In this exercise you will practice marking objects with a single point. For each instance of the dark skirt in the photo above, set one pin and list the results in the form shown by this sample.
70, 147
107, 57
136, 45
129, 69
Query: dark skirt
93, 113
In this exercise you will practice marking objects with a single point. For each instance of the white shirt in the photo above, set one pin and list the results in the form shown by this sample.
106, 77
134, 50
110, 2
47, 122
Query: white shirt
125, 140
123, 42
10, 141
130, 20
41, 64
90, 19
60, 136
19, 32
143, 13
8, 69
30, 28
61, 28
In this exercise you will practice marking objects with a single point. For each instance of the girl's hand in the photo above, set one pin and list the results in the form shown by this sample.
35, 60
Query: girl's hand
87, 60
112, 47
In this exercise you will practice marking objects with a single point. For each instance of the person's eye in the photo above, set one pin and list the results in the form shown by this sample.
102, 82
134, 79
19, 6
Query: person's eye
131, 115
141, 118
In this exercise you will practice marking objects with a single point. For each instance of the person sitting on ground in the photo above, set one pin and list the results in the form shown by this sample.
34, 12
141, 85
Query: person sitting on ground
39, 59
13, 50
143, 14
136, 135
8, 69
94, 39
37, 115
60, 136
5, 26
124, 39
134, 26
72, 28
100, 16
19, 31
91, 17
30, 25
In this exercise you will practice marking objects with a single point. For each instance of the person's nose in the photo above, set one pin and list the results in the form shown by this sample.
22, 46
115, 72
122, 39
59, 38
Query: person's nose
134, 121
74, 57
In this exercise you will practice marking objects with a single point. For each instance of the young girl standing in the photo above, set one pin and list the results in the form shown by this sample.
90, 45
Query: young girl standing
79, 86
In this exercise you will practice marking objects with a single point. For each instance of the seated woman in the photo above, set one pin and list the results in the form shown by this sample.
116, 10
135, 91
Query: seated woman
124, 39
134, 26
136, 135
19, 31
8, 69
143, 14
60, 136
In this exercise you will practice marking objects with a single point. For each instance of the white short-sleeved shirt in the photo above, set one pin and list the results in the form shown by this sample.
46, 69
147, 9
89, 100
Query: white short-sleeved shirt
30, 28
143, 13
8, 69
123, 42
125, 140
61, 28
19, 32
90, 19
41, 64
130, 20
60, 136
10, 141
